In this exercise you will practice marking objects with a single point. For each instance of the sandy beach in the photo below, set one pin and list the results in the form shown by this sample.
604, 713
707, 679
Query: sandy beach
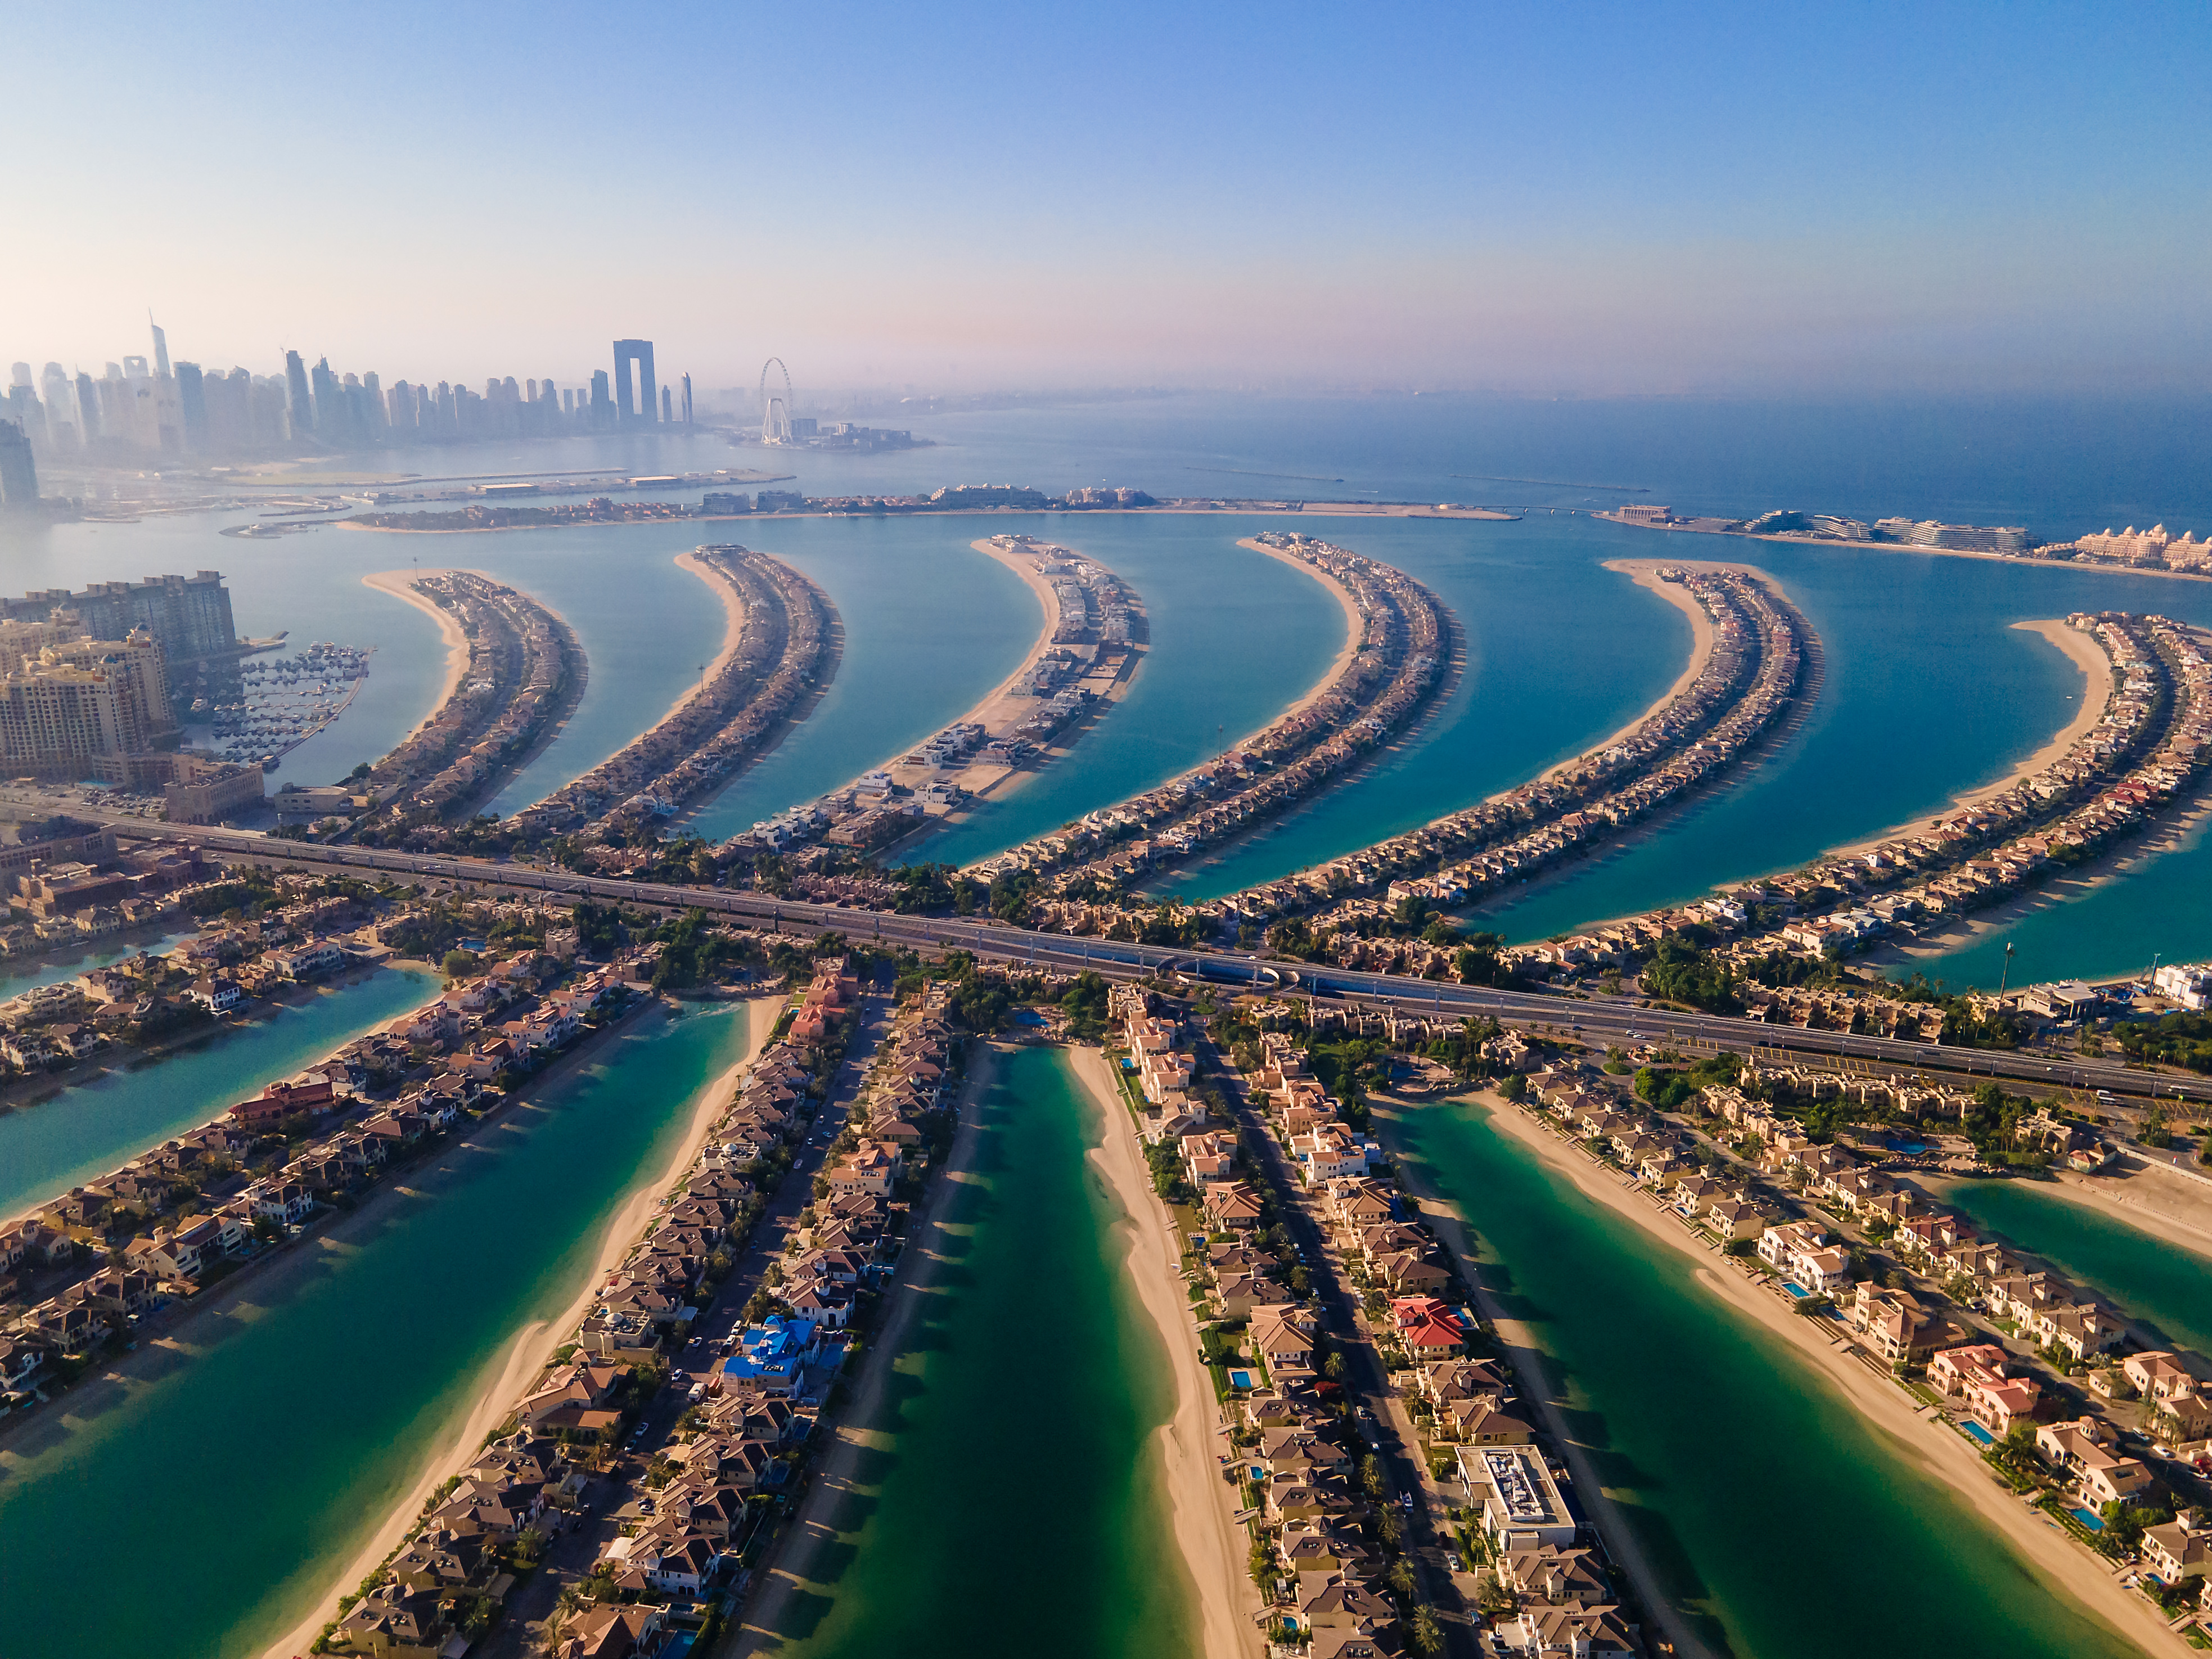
400, 584
814, 1528
1934, 1447
1207, 1535
531, 1348
733, 626
1645, 572
1355, 629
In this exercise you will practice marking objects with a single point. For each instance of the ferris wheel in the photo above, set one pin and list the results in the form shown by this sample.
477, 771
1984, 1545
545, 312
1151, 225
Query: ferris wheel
775, 410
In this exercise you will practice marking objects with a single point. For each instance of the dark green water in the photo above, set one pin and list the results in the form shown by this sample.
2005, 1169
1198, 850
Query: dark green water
215, 1491
88, 1129
2161, 1283
1018, 1507
1778, 1517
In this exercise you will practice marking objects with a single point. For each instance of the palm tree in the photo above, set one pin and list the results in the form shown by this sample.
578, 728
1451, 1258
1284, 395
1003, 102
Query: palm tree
1428, 1634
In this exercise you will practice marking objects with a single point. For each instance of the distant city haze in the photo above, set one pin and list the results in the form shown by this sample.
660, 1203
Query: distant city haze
1631, 200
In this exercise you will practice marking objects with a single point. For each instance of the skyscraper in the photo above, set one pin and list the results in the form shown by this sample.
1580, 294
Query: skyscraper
18, 473
160, 347
192, 405
23, 405
63, 427
88, 404
299, 405
687, 399
647, 406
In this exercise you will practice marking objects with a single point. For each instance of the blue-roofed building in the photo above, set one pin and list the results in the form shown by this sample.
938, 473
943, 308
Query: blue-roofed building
771, 1356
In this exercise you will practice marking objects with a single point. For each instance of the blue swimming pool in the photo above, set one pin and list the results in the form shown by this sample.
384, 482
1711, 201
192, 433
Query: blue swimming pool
1240, 1379
1796, 1289
1976, 1432
2091, 1519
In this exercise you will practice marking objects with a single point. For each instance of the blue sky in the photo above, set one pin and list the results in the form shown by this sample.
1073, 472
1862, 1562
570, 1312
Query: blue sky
1647, 197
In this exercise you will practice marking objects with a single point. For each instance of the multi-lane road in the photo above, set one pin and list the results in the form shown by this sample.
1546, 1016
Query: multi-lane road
1594, 1021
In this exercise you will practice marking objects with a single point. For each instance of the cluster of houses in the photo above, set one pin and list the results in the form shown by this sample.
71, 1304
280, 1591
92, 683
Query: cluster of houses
184, 1213
2146, 750
1397, 667
785, 630
518, 663
1994, 1390
1748, 681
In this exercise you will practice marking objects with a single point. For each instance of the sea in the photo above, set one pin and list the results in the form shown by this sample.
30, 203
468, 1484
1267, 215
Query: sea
280, 1431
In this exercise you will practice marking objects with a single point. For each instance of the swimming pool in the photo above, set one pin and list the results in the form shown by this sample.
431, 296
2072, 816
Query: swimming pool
2091, 1519
1796, 1289
1976, 1432
1240, 1379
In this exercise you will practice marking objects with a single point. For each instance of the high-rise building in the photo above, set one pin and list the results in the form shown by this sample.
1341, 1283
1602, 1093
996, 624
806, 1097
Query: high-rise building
687, 399
299, 402
23, 405
192, 405
160, 347
190, 615
18, 473
63, 430
331, 422
84, 708
87, 404
667, 414
643, 408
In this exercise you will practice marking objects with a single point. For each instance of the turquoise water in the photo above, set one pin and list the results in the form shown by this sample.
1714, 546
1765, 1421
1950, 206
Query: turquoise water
17, 977
1930, 690
1015, 1490
90, 1128
2166, 1286
932, 626
1237, 637
1775, 1516
237, 1471
1544, 680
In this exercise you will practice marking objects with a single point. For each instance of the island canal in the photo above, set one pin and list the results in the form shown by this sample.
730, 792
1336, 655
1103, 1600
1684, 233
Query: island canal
2164, 1285
1011, 1495
1782, 1524
89, 1129
228, 1477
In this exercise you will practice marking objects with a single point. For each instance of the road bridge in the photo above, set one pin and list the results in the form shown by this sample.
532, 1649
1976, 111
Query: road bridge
1592, 1022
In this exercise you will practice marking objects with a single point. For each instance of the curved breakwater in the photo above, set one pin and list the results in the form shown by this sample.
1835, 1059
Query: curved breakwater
1779, 1519
234, 1470
1012, 1496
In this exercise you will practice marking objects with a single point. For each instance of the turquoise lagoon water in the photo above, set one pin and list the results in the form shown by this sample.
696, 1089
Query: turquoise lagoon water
2163, 1284
90, 1128
240, 1468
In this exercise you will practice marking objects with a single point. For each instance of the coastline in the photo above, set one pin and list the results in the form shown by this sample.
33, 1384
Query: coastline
531, 1348
1645, 572
400, 585
812, 1530
1621, 1541
2125, 1195
1817, 544
733, 627
1886, 1408
2080, 650
1205, 1535
1355, 630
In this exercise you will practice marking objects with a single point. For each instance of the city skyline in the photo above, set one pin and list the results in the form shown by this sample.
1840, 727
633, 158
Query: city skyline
1652, 201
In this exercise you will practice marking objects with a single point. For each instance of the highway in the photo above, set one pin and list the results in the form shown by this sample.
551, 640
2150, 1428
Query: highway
1597, 1022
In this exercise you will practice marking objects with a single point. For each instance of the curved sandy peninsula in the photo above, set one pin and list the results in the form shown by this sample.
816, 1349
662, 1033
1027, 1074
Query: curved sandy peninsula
733, 627
531, 1348
400, 584
1645, 572
1934, 1447
1355, 630
1205, 1526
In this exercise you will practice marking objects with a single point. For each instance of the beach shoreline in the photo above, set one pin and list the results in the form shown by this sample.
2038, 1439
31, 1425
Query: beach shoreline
531, 1347
812, 1530
1935, 1449
400, 585
1355, 630
733, 628
1206, 1536
1645, 572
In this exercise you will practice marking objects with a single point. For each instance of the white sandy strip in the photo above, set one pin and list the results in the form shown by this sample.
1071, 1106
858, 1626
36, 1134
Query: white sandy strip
400, 584
1190, 1441
1355, 630
1645, 572
531, 1349
733, 627
1935, 1449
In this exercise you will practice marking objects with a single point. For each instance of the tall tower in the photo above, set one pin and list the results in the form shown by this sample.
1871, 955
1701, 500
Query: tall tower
687, 399
647, 406
18, 473
302, 407
160, 347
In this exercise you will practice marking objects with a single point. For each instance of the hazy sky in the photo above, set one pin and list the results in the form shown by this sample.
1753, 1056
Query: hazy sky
1644, 198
